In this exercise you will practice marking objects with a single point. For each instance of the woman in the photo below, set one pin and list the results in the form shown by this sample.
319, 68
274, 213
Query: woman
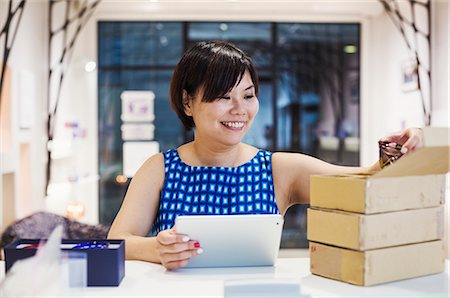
214, 89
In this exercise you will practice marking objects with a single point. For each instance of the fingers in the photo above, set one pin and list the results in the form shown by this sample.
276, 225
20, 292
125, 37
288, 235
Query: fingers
171, 258
415, 140
180, 263
175, 250
170, 237
176, 264
179, 247
410, 139
398, 137
179, 256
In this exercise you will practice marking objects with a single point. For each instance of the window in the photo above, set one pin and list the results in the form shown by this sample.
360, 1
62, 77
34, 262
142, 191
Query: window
309, 92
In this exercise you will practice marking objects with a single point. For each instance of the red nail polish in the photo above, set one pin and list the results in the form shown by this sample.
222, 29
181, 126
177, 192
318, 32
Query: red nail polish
197, 244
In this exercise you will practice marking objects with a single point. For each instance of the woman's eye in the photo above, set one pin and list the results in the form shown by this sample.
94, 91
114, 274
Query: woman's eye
249, 96
224, 97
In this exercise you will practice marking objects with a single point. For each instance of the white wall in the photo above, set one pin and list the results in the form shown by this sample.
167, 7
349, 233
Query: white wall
78, 104
440, 61
28, 65
441, 78
385, 107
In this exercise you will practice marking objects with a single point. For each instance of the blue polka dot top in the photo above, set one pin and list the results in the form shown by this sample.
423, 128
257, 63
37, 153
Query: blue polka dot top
193, 190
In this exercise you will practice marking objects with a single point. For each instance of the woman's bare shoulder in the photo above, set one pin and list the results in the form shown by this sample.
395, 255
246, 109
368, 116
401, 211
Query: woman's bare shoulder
155, 160
154, 165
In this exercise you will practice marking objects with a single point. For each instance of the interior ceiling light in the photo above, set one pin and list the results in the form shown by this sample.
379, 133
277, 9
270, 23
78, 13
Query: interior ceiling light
163, 40
223, 27
90, 66
121, 179
350, 49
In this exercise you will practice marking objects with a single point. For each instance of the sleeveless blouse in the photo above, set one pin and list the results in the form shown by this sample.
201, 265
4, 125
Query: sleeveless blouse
195, 190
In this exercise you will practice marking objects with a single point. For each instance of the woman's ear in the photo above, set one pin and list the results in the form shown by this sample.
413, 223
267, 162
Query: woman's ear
187, 103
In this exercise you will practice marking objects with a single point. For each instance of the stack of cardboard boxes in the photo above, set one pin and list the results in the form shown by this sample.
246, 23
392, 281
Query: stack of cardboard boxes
371, 229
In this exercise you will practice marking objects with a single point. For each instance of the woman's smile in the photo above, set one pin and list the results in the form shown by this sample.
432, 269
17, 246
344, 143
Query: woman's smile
233, 125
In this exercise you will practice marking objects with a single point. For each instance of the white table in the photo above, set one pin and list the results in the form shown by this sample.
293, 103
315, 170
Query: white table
152, 280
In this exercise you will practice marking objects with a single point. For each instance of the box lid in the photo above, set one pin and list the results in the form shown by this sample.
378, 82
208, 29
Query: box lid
431, 159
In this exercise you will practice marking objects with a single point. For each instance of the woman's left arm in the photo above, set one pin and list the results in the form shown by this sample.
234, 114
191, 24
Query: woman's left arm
292, 171
291, 176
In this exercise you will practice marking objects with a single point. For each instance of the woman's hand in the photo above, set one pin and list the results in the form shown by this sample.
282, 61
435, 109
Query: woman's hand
410, 139
175, 250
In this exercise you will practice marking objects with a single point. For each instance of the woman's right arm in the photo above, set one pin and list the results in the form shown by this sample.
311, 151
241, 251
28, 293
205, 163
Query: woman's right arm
137, 214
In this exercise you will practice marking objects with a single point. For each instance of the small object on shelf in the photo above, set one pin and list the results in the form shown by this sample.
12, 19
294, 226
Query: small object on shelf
75, 210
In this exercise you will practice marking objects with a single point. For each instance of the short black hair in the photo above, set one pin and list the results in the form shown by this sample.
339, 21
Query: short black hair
214, 66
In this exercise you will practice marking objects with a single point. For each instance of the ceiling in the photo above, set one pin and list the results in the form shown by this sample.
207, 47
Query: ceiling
239, 9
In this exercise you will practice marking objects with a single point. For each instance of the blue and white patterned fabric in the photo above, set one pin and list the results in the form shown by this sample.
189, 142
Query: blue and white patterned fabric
193, 190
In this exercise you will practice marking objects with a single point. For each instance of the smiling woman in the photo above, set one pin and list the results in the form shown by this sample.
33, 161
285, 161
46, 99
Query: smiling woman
226, 119
214, 90
212, 69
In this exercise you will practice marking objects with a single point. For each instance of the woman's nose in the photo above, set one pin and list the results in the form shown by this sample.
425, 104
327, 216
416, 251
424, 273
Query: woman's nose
238, 106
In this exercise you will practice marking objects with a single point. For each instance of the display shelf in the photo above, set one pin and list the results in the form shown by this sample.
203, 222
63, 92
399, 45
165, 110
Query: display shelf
24, 136
8, 163
8, 193
16, 147
62, 194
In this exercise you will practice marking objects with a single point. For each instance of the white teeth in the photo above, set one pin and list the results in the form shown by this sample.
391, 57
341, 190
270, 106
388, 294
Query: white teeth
234, 124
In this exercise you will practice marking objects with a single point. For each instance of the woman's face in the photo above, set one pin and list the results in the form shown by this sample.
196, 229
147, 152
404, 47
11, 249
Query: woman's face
228, 118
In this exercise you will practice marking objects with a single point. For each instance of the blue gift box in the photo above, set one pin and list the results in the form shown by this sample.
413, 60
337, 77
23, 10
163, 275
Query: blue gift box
106, 265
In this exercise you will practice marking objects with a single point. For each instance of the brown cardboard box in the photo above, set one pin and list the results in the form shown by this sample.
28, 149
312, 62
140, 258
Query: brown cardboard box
390, 219
371, 231
377, 266
415, 181
366, 194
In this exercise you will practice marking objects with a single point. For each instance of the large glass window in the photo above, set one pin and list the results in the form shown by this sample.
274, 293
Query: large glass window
255, 39
133, 56
309, 92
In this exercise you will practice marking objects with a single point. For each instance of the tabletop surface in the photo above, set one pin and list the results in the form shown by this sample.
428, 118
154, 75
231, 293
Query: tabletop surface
153, 280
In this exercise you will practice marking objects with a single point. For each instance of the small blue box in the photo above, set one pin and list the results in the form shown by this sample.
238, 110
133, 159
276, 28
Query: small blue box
106, 266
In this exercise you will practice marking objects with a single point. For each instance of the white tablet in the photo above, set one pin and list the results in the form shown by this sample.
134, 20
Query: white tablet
233, 240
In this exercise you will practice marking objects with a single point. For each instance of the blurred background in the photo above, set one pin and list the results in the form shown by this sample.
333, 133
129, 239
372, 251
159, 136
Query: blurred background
335, 76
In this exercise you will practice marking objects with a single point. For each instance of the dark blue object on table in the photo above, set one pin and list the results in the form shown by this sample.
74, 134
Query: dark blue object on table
106, 265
